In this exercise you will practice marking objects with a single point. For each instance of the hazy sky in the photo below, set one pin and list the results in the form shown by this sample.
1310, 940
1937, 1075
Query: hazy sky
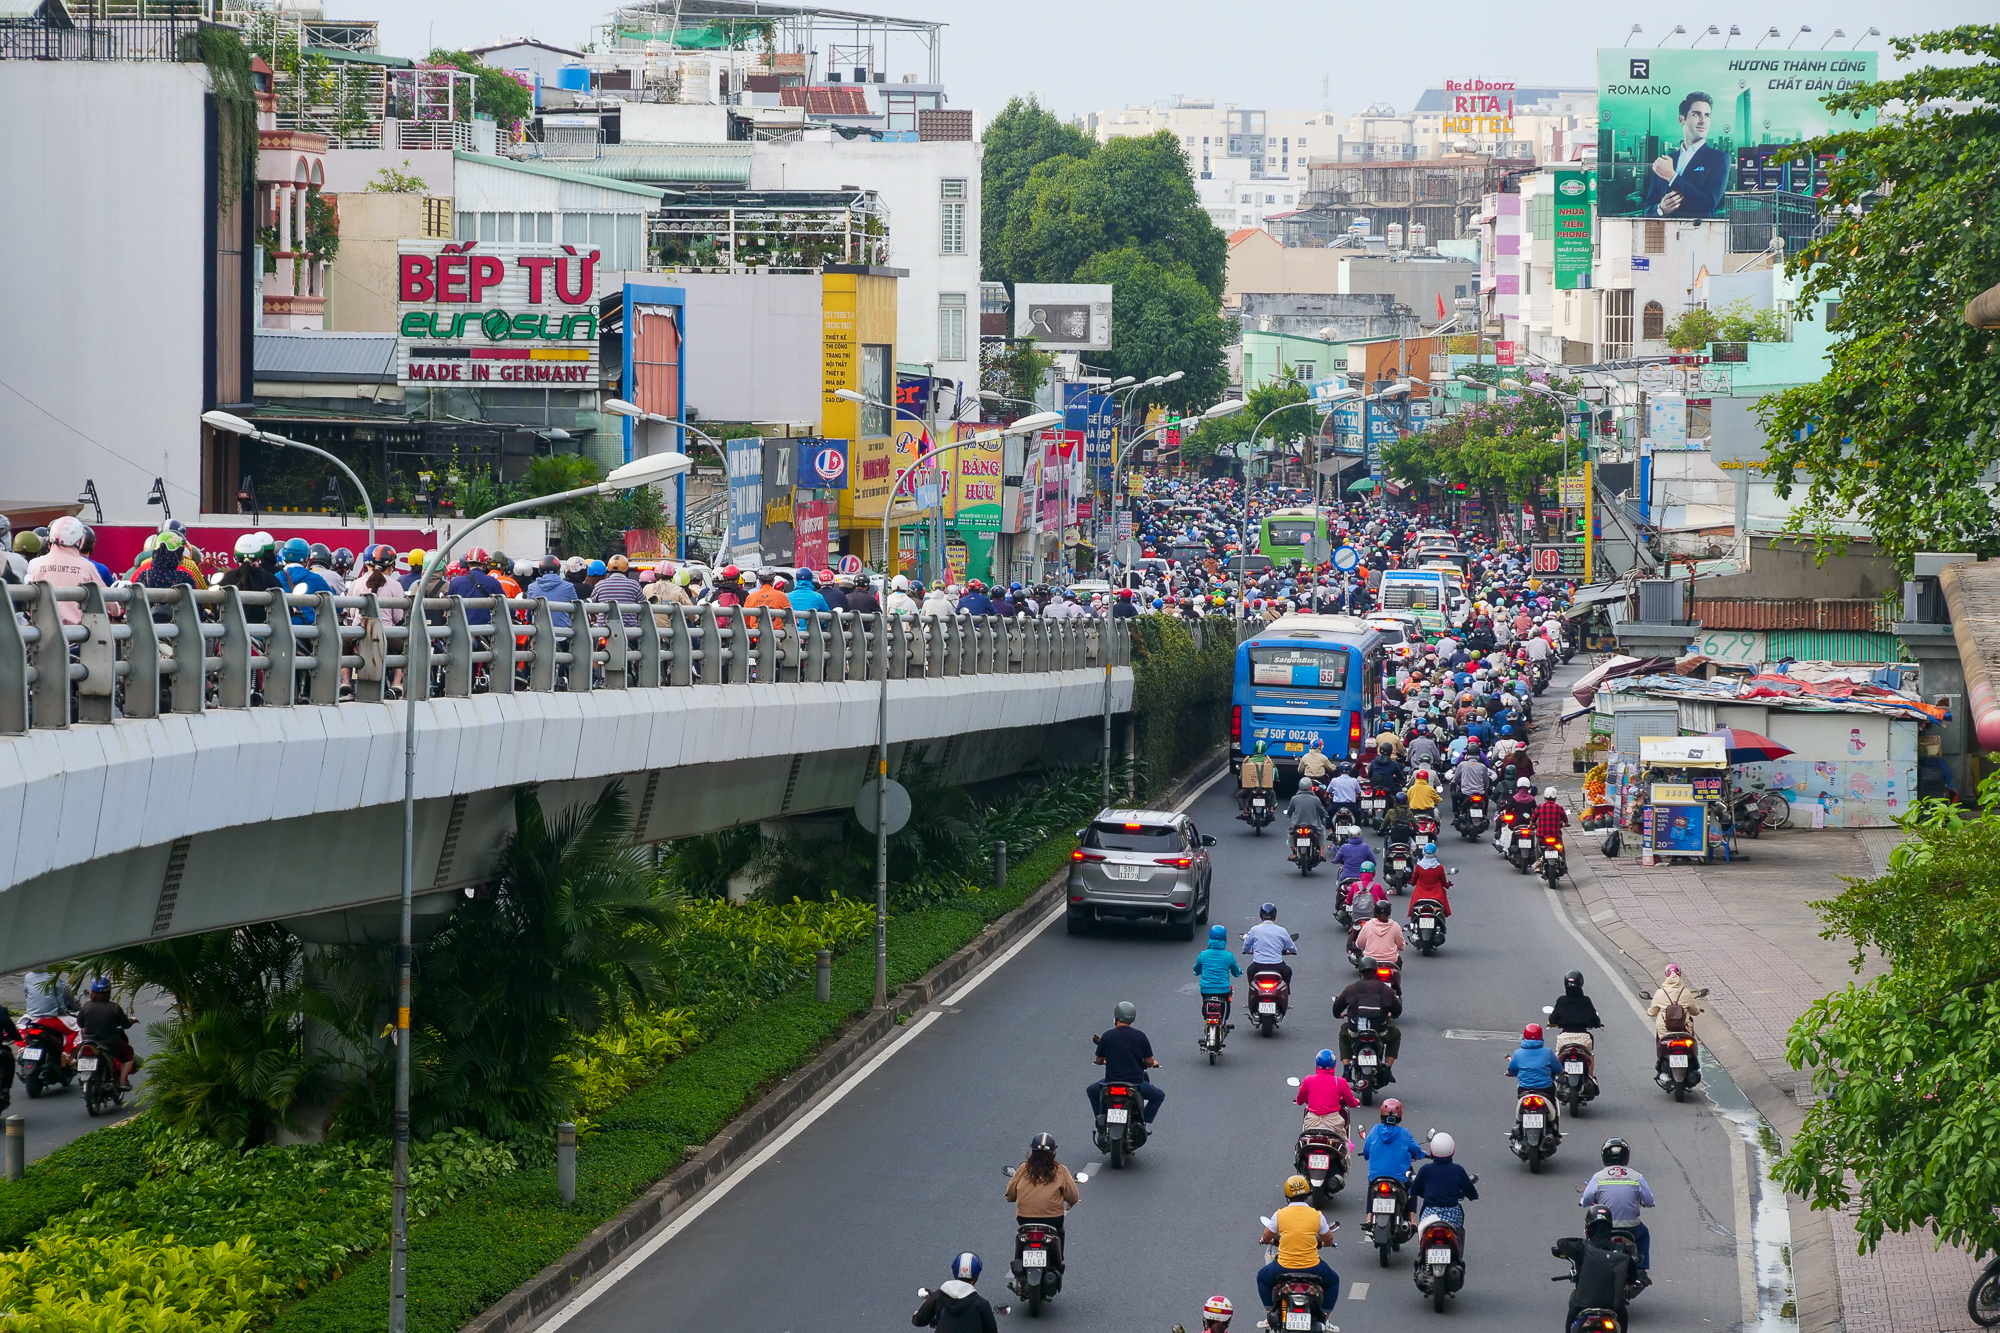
1089, 55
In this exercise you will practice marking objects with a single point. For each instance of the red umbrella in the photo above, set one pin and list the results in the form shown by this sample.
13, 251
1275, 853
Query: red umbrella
1747, 747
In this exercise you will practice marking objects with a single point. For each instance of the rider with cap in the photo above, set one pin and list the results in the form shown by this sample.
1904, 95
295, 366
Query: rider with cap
1267, 942
1126, 1056
1214, 967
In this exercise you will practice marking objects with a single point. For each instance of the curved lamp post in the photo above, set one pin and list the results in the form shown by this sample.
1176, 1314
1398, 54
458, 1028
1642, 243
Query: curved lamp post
236, 425
618, 407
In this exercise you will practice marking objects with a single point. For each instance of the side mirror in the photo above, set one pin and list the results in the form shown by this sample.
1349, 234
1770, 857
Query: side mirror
1007, 1171
1080, 833
1645, 995
1295, 936
1208, 840
1548, 1008
1096, 1037
1451, 870
1701, 993
1293, 1081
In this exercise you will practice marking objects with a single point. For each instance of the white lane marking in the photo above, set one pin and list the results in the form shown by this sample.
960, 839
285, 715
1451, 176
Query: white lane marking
971, 983
1196, 794
1358, 1292
1478, 1034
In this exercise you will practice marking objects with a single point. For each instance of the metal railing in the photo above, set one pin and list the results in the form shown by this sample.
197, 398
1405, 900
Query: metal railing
198, 650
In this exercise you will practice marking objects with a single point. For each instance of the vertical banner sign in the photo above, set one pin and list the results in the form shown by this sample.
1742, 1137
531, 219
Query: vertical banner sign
1503, 352
809, 521
1091, 414
1575, 207
973, 505
823, 464
745, 460
779, 481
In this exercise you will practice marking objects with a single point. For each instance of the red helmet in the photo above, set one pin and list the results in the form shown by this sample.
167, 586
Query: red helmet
1126, 593
477, 556
1532, 1032
1392, 1111
731, 572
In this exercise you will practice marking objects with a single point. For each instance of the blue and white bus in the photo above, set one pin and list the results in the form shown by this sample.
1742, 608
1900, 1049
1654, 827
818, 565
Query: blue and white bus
1304, 678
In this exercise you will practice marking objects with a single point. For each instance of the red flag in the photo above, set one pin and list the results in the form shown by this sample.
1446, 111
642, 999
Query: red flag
1440, 296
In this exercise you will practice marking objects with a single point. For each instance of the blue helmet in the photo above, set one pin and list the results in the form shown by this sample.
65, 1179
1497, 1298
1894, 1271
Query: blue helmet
965, 1267
101, 986
1219, 934
296, 551
1507, 729
1324, 1060
597, 567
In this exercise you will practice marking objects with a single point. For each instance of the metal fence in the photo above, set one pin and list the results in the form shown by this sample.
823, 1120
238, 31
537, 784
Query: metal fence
198, 650
166, 34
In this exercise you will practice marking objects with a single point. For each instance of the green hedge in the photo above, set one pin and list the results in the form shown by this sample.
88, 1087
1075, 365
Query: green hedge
1180, 694
107, 1159
471, 1255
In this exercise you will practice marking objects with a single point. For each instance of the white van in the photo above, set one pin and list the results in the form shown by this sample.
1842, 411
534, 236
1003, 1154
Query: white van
1423, 593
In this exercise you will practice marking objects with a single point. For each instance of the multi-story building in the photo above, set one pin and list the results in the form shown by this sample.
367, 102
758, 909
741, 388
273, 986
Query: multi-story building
1248, 165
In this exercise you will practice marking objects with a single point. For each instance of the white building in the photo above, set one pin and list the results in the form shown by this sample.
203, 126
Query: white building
1248, 165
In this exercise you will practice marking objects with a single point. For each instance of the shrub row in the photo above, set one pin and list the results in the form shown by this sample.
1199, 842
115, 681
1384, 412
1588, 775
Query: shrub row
106, 1159
1180, 693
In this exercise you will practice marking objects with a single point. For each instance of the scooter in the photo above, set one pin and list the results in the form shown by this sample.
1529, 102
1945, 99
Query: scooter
1215, 1024
48, 1053
101, 1092
1365, 1068
1426, 928
1554, 867
1374, 802
1677, 1053
1259, 810
1387, 1222
1270, 996
1440, 1267
1577, 1051
1515, 840
1471, 819
1536, 1134
1399, 867
1121, 1119
1306, 848
1321, 1157
1038, 1259
1298, 1300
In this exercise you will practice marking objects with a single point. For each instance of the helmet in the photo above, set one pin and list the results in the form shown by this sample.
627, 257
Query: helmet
1268, 912
1430, 849
1259, 748
1573, 981
500, 560
478, 555
1548, 793
318, 554
247, 546
343, 559
1381, 909
382, 554
416, 559
1506, 728
1392, 1111
597, 567
1367, 867
1673, 970
100, 986
1220, 934
1324, 1060
1596, 1218
1218, 1307
1617, 1152
965, 1267
1443, 1145
296, 551
1532, 1032
901, 583
1042, 1143
1125, 1011
974, 585
549, 565
1296, 1187
1522, 783
731, 572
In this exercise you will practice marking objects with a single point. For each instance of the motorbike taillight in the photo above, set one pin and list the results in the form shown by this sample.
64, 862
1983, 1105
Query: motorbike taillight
1115, 1089
1439, 1236
1533, 1104
1267, 983
1681, 1044
1385, 1187
1384, 973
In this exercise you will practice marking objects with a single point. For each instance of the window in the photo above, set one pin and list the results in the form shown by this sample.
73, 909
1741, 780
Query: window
468, 227
1244, 200
1288, 199
1302, 142
902, 109
1653, 324
876, 365
1305, 370
1235, 144
506, 227
1656, 238
951, 217
1617, 324
951, 326
488, 224
1270, 198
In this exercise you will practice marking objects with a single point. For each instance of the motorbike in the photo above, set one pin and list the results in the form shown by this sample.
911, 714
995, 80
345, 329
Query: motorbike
1677, 1052
1215, 1024
1535, 1136
1516, 841
1427, 925
1399, 866
1321, 1157
1298, 1300
1260, 810
1366, 1067
1374, 804
1038, 1260
101, 1092
1306, 848
1426, 824
1554, 867
1599, 1320
1345, 825
47, 1053
1121, 1119
1440, 1268
1470, 821
1270, 996
1387, 1222
1577, 1052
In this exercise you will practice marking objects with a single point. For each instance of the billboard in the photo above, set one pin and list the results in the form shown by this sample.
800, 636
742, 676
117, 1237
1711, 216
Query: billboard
1677, 129
1574, 193
503, 316
744, 459
1070, 316
823, 464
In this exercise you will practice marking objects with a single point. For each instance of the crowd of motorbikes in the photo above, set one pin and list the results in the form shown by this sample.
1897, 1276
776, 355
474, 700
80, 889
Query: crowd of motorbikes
52, 1054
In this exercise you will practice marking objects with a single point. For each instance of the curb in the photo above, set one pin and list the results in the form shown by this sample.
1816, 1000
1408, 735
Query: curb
744, 1135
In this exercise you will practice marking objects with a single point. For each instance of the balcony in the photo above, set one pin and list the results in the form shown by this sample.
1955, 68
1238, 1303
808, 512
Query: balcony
156, 30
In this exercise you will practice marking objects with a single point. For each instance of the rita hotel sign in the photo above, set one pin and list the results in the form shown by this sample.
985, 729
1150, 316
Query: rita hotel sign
510, 316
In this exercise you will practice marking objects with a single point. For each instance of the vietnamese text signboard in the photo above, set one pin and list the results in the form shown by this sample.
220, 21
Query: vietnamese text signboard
1575, 206
501, 315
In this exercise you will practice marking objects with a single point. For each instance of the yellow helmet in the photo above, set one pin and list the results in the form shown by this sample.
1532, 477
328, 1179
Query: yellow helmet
1296, 1187
416, 559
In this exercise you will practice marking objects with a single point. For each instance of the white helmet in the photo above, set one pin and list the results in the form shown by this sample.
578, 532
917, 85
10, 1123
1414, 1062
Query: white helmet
1523, 782
901, 583
1548, 793
1443, 1145
247, 546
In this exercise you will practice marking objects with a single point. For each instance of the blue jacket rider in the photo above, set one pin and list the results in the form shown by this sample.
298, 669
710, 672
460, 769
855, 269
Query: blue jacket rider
1533, 1065
1390, 1149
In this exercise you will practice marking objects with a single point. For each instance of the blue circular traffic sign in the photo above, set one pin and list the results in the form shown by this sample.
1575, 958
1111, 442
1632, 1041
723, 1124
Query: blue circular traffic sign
1346, 558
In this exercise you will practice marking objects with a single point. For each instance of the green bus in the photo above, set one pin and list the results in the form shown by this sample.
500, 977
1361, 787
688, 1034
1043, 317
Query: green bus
1283, 534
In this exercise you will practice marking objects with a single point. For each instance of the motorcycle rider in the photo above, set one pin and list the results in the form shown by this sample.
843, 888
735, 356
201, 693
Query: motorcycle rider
1430, 879
1041, 1188
1214, 966
1216, 1312
956, 1307
1534, 1066
104, 1023
1522, 804
1423, 748
1314, 766
1267, 942
1376, 1000
1126, 1056
1625, 1194
1389, 1148
1423, 796
1471, 777
1550, 818
1258, 772
1352, 855
1600, 1267
1385, 770
1441, 1186
1672, 1009
1306, 811
1326, 1096
46, 995
1380, 938
1574, 1011
1343, 789
1300, 1233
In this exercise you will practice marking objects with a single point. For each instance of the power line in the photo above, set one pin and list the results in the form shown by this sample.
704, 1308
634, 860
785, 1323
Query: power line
141, 468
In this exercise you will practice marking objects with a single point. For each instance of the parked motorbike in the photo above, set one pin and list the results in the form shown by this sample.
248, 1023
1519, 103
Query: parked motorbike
1366, 1067
1387, 1221
1038, 1260
1536, 1134
1270, 996
1440, 1268
48, 1053
1306, 851
1427, 925
1470, 821
1260, 810
101, 1092
1554, 867
1215, 1024
1398, 866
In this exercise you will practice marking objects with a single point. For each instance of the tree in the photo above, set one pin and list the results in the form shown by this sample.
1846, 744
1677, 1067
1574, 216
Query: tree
1019, 139
391, 181
1505, 451
1906, 1067
1737, 322
495, 92
1223, 432
1901, 430
1163, 320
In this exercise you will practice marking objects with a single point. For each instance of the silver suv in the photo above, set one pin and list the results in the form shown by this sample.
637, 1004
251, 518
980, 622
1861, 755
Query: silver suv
1140, 865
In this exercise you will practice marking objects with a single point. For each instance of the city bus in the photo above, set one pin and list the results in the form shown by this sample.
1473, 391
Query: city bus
1283, 534
1304, 678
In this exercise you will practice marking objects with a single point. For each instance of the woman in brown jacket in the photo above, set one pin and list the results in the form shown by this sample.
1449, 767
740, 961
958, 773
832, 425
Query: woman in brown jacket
1041, 1188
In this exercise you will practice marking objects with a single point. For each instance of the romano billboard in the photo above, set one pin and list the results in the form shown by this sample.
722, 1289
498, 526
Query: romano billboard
1676, 130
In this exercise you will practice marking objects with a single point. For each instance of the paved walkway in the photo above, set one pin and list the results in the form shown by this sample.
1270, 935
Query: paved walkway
1745, 931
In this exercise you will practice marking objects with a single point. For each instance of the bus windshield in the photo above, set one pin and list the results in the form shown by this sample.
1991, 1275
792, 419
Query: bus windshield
1314, 668
1292, 531
1410, 594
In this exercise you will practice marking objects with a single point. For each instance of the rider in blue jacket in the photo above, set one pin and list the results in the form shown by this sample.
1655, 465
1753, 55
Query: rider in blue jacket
1215, 965
1533, 1065
1389, 1147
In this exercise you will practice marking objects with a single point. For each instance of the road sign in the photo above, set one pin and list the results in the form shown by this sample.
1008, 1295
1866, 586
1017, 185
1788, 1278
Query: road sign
1127, 552
850, 564
1563, 561
899, 805
1346, 558
1572, 492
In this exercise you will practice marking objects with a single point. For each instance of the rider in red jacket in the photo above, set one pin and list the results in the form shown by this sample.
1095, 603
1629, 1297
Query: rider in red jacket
1430, 880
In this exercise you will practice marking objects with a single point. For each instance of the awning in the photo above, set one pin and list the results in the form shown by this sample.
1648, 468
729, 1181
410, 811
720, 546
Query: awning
1598, 592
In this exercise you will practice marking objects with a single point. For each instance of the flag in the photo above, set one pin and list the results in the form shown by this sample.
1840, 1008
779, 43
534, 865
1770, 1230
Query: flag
1440, 297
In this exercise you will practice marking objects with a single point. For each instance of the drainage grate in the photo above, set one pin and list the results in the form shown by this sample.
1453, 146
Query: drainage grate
791, 783
449, 852
646, 804
170, 886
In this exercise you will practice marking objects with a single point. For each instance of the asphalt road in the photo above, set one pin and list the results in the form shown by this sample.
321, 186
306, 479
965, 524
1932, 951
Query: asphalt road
837, 1230
57, 1116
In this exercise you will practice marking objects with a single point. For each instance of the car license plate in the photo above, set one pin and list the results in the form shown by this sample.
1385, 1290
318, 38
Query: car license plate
1034, 1258
1319, 1161
1124, 872
1677, 1062
1299, 1319
32, 1054
86, 1065
1532, 1121
1267, 1006
1437, 1256
1366, 1058
1572, 1066
1117, 1115
1384, 1205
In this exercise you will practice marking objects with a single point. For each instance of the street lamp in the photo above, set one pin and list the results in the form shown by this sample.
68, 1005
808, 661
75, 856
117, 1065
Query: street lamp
1838, 34
1713, 31
1872, 32
1803, 30
1768, 35
639, 472
618, 407
1635, 29
1025, 426
1243, 540
1734, 32
236, 425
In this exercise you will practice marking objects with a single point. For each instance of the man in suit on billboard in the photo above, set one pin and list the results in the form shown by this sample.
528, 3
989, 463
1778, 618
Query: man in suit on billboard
1688, 182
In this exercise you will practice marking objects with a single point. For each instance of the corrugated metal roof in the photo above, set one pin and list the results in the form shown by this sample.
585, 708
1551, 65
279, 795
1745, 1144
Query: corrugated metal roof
304, 356
554, 173
676, 163
1825, 613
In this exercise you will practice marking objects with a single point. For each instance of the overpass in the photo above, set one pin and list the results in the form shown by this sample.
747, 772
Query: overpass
158, 778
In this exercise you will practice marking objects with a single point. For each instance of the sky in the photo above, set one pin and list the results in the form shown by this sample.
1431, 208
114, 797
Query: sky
1100, 55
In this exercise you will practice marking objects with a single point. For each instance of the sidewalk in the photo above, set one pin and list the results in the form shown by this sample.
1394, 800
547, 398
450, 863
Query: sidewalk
1745, 931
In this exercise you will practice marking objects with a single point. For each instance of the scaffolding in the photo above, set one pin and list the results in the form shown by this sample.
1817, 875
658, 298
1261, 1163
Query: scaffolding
778, 231
772, 29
